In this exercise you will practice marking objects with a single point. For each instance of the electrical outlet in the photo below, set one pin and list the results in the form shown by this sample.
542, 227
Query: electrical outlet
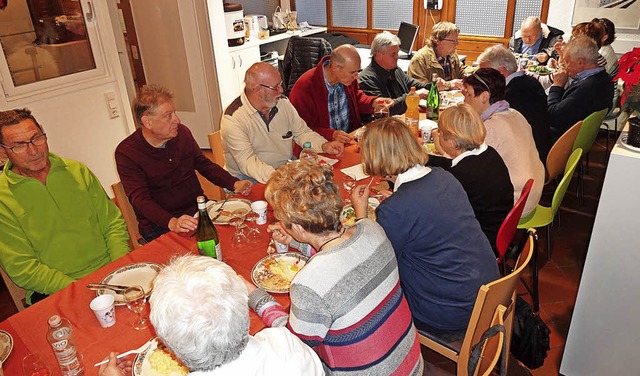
112, 104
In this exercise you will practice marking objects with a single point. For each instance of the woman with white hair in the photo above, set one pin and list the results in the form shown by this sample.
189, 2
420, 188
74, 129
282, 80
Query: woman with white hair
199, 309
383, 78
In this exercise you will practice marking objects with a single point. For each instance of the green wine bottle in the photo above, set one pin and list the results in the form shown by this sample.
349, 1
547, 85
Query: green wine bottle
206, 233
433, 99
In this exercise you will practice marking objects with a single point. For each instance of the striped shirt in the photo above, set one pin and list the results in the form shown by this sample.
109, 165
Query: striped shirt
347, 304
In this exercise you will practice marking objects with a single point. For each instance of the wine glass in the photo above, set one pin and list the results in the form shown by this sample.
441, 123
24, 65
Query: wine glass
237, 220
34, 365
135, 299
348, 182
254, 233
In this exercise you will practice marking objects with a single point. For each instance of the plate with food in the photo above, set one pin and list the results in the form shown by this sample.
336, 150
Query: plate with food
158, 360
139, 274
541, 70
274, 273
348, 215
221, 212
6, 345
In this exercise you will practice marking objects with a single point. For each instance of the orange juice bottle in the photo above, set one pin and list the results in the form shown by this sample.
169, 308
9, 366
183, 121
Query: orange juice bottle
412, 116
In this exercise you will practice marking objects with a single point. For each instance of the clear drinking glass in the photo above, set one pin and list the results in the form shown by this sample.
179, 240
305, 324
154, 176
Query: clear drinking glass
239, 238
254, 233
135, 298
34, 365
348, 182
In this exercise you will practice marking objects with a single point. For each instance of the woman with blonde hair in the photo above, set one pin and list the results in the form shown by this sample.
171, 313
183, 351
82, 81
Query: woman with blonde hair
443, 256
347, 300
477, 166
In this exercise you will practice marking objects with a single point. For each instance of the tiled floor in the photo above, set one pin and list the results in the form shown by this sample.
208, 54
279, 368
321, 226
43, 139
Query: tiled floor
559, 276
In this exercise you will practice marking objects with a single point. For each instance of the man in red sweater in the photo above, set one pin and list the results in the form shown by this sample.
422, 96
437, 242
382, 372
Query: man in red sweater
329, 99
157, 165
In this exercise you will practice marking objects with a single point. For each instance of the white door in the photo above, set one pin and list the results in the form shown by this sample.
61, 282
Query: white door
176, 51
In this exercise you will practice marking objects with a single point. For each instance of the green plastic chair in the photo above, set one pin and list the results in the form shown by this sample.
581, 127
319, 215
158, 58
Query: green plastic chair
543, 216
586, 137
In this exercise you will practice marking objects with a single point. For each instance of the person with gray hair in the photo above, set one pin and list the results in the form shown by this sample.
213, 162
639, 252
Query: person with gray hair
383, 77
199, 309
524, 93
536, 38
590, 90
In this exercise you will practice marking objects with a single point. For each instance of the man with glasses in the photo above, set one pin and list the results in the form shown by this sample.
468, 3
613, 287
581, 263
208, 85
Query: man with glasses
329, 99
259, 128
157, 165
536, 39
56, 222
439, 56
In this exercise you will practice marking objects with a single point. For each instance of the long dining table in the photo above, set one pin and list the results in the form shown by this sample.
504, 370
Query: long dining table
28, 328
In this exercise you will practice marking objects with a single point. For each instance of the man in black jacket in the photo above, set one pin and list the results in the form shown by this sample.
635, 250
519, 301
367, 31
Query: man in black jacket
524, 94
536, 38
590, 90
383, 78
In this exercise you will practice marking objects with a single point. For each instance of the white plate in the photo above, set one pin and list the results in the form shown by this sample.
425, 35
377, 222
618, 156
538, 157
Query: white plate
232, 205
6, 345
262, 271
142, 274
623, 141
348, 217
141, 365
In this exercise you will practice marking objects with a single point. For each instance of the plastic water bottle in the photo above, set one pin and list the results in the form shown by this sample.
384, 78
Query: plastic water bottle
61, 340
308, 153
412, 116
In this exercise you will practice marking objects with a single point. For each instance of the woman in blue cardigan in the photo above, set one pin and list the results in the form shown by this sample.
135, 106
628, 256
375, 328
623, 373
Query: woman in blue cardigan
443, 255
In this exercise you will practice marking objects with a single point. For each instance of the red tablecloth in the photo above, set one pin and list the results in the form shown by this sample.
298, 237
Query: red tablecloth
29, 327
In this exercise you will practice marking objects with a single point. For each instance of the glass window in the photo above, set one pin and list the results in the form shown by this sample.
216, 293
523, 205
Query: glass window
524, 9
312, 11
387, 14
349, 13
44, 39
489, 22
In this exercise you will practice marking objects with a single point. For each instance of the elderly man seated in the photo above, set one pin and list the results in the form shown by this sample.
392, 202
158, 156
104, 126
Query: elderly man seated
383, 77
439, 56
56, 222
259, 127
590, 90
536, 38
157, 165
524, 93
199, 309
328, 97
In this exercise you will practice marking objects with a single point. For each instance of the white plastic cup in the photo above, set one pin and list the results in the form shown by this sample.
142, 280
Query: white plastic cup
260, 208
426, 135
102, 306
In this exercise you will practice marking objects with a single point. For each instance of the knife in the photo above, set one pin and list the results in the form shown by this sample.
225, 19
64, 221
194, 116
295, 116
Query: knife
220, 209
105, 286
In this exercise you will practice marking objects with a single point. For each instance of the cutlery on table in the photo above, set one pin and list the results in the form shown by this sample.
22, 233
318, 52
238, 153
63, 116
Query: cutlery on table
136, 351
219, 210
106, 286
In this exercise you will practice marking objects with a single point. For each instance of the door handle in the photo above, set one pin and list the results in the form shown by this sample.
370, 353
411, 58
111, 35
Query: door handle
240, 57
233, 63
89, 15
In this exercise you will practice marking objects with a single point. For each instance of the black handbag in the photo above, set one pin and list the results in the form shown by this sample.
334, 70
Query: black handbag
530, 336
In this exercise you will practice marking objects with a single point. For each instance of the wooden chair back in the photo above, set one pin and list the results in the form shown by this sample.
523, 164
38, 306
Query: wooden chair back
501, 292
122, 201
18, 294
492, 348
215, 142
560, 152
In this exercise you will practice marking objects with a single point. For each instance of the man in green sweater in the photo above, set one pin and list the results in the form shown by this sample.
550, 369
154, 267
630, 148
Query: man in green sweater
56, 222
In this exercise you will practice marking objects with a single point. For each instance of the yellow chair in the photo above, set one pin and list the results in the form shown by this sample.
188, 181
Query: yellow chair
495, 302
18, 294
215, 141
122, 201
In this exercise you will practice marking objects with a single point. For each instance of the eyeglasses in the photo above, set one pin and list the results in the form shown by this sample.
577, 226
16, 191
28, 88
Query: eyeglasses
482, 82
274, 88
454, 41
21, 147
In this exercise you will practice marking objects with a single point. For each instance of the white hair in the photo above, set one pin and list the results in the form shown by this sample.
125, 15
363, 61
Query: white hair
497, 57
582, 47
383, 41
199, 310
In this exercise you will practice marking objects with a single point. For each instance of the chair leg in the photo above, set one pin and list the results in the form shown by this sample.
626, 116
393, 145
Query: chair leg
548, 242
535, 297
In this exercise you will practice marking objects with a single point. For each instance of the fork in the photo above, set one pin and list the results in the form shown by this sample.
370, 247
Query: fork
220, 209
139, 350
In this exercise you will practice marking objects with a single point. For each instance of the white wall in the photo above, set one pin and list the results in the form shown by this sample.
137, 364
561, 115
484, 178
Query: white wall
77, 123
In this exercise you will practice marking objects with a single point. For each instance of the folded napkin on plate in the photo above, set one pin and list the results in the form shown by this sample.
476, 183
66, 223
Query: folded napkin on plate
327, 160
355, 172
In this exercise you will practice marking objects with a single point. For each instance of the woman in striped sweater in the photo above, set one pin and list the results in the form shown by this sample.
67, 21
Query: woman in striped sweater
346, 303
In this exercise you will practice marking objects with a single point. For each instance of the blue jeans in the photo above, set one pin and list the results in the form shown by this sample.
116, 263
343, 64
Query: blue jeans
155, 232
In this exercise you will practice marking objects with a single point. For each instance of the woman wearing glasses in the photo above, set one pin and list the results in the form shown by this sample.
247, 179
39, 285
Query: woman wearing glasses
507, 131
439, 56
